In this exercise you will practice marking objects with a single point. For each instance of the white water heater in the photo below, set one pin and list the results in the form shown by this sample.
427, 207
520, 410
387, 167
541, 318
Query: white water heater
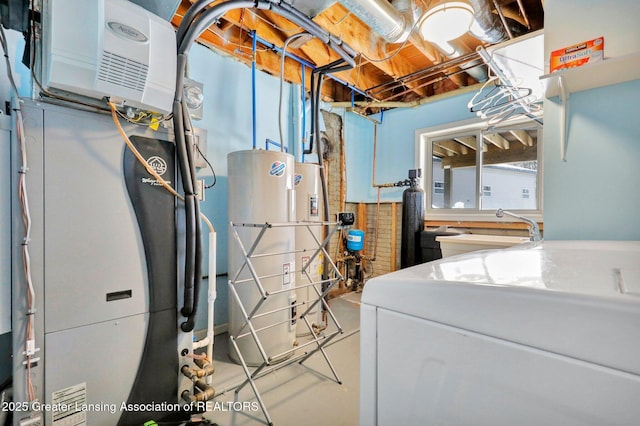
111, 48
309, 208
261, 191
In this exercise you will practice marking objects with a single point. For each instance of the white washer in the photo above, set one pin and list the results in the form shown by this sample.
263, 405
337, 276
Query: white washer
543, 333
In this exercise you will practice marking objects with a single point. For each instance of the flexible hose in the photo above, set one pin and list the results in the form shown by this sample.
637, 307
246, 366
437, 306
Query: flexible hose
253, 91
282, 58
195, 22
189, 324
204, 20
312, 96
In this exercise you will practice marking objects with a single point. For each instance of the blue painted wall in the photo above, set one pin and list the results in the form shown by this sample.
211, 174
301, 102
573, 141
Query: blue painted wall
228, 121
594, 194
395, 145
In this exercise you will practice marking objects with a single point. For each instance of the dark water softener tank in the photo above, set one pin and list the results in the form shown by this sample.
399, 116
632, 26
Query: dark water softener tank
412, 221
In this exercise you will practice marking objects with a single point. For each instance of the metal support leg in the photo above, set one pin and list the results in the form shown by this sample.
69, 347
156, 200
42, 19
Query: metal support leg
251, 312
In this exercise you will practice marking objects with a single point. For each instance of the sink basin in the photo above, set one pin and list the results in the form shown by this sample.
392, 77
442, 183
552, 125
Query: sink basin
458, 244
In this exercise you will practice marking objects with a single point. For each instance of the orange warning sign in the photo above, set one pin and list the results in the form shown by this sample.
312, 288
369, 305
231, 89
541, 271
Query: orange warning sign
577, 55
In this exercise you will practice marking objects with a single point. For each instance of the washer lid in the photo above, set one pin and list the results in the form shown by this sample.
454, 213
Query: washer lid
576, 298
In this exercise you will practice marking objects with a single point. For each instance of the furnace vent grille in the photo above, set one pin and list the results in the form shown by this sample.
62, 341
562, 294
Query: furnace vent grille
121, 71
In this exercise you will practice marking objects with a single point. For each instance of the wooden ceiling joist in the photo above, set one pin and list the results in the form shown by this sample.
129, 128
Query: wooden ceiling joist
496, 140
523, 137
468, 141
357, 35
453, 147
403, 72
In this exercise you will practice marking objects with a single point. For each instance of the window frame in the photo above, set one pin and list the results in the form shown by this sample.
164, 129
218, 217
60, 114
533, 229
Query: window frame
423, 160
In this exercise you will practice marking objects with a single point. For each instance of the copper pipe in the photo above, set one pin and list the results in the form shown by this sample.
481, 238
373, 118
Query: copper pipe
524, 14
206, 393
205, 368
503, 19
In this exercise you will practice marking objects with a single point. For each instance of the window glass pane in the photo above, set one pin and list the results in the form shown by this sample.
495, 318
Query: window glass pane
509, 169
453, 166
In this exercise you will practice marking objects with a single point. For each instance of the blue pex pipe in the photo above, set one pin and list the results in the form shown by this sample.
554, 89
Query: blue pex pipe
253, 87
303, 62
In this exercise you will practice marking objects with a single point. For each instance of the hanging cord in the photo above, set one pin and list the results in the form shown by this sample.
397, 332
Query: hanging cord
282, 58
194, 273
30, 343
213, 172
146, 165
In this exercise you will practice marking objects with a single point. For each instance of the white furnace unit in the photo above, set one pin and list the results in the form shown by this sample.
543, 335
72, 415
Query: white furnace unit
110, 48
542, 334
104, 253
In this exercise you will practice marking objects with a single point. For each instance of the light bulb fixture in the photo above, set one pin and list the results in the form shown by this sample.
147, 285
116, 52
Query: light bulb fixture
446, 21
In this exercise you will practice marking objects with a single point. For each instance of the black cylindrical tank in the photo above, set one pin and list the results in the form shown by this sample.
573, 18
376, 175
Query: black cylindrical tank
412, 225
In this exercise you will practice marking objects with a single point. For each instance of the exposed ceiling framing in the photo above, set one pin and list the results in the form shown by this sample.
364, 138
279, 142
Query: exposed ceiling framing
507, 146
401, 72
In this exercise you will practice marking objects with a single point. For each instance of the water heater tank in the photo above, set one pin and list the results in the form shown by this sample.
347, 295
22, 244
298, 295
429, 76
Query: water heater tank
261, 191
111, 48
309, 208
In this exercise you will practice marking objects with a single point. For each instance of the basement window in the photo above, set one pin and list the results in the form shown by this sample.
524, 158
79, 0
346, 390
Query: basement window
473, 170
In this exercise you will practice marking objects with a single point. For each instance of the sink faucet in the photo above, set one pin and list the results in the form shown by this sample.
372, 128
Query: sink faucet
534, 230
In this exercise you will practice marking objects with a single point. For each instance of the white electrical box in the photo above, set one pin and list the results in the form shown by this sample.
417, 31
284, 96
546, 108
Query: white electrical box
111, 48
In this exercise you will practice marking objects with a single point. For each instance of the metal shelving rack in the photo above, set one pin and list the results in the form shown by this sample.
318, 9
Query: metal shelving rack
271, 362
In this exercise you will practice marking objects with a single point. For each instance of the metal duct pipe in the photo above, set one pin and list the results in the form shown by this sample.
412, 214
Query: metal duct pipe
455, 49
382, 17
487, 25
394, 22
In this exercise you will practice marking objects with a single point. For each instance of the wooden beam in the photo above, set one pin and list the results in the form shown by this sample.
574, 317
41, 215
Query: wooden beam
361, 219
497, 140
493, 156
267, 60
339, 21
439, 152
468, 141
453, 147
320, 54
523, 137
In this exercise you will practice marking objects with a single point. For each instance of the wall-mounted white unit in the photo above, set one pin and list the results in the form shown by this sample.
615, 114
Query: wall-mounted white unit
110, 48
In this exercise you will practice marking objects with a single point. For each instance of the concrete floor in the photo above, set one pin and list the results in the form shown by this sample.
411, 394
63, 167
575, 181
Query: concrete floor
296, 394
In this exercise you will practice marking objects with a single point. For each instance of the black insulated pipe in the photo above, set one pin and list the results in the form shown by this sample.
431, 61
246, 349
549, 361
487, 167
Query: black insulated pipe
189, 324
197, 19
190, 231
